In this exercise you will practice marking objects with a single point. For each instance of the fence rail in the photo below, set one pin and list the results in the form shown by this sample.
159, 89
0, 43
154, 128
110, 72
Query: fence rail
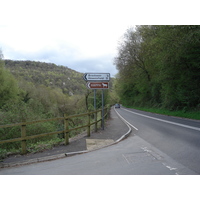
65, 131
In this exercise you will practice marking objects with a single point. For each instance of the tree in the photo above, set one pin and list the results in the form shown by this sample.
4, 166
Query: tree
133, 72
8, 84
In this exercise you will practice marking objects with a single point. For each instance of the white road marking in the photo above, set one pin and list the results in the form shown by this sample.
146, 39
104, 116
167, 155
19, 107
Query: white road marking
170, 168
169, 122
126, 159
126, 121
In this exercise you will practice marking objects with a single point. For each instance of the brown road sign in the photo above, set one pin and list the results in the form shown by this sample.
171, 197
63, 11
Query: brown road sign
97, 85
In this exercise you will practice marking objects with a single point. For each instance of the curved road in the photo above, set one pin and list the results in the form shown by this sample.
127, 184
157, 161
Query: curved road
157, 145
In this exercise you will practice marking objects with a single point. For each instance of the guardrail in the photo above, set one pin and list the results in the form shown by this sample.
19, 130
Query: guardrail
66, 130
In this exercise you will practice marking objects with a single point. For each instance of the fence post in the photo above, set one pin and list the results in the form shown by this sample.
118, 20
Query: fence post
88, 130
23, 134
66, 129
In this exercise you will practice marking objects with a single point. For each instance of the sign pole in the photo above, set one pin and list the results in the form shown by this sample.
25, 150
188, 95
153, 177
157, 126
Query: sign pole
102, 110
95, 108
98, 81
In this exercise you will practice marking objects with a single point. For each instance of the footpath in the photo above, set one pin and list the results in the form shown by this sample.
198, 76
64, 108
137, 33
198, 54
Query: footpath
114, 131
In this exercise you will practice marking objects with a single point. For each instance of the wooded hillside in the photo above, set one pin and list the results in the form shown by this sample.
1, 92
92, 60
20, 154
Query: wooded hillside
48, 74
35, 90
159, 66
32, 90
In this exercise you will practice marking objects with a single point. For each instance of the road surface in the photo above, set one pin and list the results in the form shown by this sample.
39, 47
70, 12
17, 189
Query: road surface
179, 138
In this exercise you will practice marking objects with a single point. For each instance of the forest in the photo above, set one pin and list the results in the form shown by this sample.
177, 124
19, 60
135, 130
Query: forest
159, 66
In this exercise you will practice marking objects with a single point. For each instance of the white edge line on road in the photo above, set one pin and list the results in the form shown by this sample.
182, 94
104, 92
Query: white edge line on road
125, 120
169, 122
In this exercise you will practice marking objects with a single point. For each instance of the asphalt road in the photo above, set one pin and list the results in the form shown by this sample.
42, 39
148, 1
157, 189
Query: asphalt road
176, 137
157, 145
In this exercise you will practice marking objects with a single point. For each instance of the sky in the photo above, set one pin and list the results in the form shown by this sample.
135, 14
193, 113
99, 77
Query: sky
81, 34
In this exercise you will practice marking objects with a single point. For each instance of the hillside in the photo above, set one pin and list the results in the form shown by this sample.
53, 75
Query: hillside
36, 90
49, 75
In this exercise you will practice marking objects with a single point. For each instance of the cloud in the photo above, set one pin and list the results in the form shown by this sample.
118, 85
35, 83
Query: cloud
102, 64
82, 35
66, 55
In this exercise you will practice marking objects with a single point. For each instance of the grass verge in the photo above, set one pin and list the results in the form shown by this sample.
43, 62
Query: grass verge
180, 113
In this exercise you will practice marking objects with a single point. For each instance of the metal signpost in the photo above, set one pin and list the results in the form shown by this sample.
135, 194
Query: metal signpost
98, 81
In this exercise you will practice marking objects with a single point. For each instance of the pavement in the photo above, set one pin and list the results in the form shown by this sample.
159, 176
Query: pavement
114, 131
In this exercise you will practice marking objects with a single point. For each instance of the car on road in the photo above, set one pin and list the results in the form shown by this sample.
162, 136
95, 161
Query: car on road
117, 105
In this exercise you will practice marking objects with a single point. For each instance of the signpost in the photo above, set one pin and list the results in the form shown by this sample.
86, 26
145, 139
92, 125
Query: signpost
98, 81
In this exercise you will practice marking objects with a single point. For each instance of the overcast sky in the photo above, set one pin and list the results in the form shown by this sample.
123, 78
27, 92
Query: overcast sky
81, 34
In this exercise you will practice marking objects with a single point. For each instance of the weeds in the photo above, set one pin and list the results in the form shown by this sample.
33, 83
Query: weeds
44, 145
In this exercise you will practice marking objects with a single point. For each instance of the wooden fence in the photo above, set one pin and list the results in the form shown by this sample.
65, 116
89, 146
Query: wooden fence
66, 130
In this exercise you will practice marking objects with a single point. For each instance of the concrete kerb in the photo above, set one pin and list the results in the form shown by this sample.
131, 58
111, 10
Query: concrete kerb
128, 132
31, 161
59, 156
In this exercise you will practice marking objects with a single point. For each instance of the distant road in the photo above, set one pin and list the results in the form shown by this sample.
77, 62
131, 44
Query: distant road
177, 137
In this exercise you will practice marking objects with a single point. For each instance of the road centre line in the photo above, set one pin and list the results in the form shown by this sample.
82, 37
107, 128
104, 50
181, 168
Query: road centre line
169, 122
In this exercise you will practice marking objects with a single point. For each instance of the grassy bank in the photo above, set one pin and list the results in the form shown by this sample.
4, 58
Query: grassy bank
180, 113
